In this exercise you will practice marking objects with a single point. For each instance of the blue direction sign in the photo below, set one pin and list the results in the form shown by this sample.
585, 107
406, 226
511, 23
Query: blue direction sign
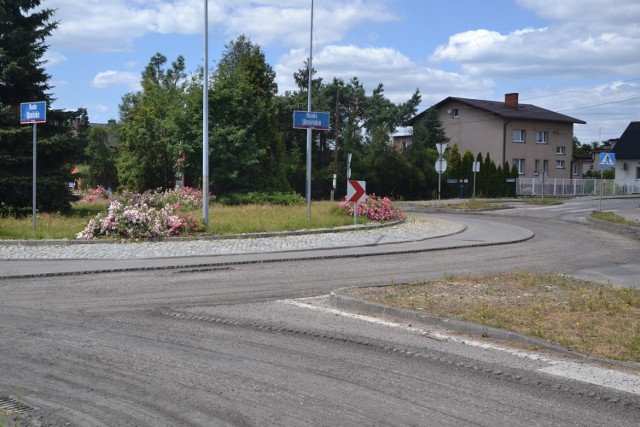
310, 120
607, 159
33, 112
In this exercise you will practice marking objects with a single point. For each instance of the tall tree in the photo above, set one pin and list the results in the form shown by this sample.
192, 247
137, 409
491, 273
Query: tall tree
246, 150
151, 127
101, 157
24, 26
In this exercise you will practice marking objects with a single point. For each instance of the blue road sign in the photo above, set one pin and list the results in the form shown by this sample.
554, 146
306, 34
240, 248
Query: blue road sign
607, 159
33, 112
310, 120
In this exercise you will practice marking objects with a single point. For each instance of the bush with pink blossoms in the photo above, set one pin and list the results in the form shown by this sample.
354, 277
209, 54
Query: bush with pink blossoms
91, 195
375, 208
139, 220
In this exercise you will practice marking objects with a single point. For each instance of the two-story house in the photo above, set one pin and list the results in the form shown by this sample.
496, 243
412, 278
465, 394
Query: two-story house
627, 151
534, 139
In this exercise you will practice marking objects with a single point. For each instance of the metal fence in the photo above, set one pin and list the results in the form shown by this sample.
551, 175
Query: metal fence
576, 187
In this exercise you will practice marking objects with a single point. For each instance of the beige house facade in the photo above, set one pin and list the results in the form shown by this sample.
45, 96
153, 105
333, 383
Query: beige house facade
537, 141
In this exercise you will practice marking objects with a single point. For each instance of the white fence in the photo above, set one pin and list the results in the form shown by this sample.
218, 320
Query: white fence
576, 187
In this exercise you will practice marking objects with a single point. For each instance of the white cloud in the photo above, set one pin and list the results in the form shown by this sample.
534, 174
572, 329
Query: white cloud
98, 26
399, 74
585, 39
54, 58
106, 79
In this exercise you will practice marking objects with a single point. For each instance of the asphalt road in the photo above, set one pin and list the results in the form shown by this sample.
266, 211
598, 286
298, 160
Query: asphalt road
255, 342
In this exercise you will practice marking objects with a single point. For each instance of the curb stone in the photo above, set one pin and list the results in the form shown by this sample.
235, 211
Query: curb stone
338, 300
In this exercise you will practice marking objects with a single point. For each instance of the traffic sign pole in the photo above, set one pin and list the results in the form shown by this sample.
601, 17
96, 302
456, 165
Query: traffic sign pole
33, 113
33, 184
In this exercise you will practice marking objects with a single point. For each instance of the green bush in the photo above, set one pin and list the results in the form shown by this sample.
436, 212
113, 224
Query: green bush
283, 199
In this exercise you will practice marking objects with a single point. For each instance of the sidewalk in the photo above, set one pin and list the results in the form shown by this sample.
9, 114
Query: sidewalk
409, 231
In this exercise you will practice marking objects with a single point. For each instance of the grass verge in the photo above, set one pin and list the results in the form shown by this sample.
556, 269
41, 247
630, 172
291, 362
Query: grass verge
223, 220
612, 217
593, 319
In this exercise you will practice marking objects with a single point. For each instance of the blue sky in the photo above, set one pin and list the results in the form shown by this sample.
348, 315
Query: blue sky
578, 57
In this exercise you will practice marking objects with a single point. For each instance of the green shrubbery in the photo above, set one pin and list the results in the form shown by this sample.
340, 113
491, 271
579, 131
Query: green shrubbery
283, 199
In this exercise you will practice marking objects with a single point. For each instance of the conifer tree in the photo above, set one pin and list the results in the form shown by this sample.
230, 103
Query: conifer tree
24, 26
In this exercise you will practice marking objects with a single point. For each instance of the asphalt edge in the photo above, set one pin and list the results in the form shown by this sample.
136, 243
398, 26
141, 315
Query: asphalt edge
530, 236
340, 301
68, 242
627, 230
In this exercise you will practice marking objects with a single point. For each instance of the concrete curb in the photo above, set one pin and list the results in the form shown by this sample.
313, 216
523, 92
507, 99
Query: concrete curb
69, 242
627, 230
340, 301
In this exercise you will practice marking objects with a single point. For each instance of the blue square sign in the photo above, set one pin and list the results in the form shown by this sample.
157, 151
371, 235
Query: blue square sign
33, 112
607, 159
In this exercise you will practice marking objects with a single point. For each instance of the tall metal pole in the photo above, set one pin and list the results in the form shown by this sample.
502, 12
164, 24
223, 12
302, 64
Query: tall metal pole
205, 119
309, 131
33, 184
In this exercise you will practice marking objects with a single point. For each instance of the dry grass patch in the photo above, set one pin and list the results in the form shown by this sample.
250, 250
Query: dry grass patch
593, 319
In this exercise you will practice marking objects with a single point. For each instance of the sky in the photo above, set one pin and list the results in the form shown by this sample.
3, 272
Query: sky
577, 57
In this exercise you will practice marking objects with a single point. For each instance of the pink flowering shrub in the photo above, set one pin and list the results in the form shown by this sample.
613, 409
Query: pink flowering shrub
147, 215
375, 208
95, 194
139, 220
188, 198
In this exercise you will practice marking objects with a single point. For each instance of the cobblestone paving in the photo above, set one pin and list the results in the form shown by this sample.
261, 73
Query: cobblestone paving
410, 230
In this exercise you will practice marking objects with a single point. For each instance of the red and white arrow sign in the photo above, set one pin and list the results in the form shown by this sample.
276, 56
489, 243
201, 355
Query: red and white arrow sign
356, 191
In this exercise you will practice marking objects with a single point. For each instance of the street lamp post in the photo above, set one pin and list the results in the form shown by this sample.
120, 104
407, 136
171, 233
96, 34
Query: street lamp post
309, 130
205, 119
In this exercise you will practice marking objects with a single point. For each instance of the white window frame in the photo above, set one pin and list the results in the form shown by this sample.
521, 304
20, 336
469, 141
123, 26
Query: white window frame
519, 135
561, 150
559, 164
455, 113
519, 163
542, 137
536, 168
575, 169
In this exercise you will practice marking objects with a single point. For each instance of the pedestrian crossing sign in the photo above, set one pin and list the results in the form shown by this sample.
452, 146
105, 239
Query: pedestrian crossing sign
607, 159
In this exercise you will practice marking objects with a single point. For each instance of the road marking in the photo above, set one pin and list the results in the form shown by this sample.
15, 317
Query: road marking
582, 372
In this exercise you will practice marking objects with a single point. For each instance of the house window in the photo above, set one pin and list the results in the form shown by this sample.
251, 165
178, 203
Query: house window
637, 173
519, 163
454, 113
542, 137
536, 169
559, 164
545, 166
575, 169
405, 144
560, 151
519, 135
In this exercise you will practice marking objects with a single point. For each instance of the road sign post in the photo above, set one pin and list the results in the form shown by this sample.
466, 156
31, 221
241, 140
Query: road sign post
606, 160
33, 113
310, 120
356, 193
441, 166
475, 169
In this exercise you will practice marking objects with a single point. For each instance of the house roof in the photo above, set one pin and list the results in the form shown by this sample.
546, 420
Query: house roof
500, 109
628, 146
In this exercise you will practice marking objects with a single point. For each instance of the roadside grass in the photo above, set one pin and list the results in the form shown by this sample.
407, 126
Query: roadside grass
593, 319
538, 201
612, 217
223, 220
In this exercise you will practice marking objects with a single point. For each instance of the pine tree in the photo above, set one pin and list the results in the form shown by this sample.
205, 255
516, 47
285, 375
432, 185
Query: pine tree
23, 30
247, 152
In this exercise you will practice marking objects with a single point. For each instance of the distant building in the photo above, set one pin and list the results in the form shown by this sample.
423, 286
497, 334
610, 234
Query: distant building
532, 138
627, 151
